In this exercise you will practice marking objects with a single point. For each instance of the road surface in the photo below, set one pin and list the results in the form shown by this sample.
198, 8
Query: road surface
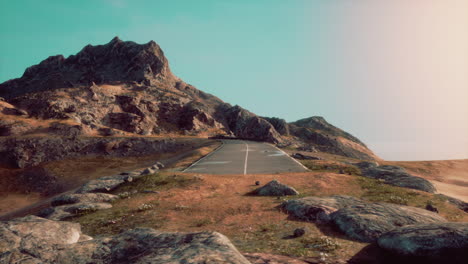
245, 157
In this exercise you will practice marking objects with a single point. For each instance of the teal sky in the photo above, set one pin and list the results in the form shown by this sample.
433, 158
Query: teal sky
393, 73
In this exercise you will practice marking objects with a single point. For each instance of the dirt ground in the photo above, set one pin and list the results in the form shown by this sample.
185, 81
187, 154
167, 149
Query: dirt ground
71, 173
450, 177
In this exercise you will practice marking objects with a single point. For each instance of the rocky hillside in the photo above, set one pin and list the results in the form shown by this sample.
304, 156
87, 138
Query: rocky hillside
124, 88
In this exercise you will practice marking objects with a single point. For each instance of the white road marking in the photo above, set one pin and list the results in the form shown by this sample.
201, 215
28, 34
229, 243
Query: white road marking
302, 165
278, 153
246, 157
196, 162
214, 162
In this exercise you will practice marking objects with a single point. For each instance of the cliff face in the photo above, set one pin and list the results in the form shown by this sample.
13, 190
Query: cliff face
124, 88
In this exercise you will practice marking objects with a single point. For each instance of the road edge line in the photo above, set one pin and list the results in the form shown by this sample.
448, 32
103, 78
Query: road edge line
302, 165
202, 158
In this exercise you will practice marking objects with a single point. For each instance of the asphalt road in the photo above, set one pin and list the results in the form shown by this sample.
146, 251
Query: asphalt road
246, 157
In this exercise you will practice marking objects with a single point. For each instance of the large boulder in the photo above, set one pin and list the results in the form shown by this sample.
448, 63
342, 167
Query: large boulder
366, 222
318, 209
36, 240
398, 176
357, 218
27, 239
275, 188
437, 243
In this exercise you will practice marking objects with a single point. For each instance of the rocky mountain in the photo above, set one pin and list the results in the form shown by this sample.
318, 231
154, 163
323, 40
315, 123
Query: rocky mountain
125, 88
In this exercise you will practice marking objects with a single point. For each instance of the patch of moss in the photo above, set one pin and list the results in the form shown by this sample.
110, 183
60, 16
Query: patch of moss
331, 167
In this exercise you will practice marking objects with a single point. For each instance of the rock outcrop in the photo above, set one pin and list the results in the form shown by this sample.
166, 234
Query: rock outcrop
38, 240
397, 176
124, 88
366, 222
275, 188
428, 243
29, 152
358, 219
114, 61
93, 196
318, 209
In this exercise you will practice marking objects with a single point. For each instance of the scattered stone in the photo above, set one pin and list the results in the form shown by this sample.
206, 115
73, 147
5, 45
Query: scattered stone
198, 178
298, 232
100, 185
83, 198
275, 188
431, 243
257, 183
63, 212
159, 165
431, 208
148, 171
341, 171
366, 222
304, 157
398, 176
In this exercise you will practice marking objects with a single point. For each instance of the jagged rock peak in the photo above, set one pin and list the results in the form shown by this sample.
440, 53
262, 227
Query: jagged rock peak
116, 61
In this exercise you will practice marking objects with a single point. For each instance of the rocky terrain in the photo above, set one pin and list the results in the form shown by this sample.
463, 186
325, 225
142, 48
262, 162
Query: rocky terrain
37, 240
124, 88
119, 106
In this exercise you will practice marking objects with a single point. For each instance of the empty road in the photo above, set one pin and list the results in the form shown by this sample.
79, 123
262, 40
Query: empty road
245, 157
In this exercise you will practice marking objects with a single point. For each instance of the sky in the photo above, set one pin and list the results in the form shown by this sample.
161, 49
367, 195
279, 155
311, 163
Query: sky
392, 73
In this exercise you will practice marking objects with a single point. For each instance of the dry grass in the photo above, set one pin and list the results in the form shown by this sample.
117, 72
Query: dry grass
185, 202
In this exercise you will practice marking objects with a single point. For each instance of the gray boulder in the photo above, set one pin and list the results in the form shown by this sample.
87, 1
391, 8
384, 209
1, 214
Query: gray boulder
444, 242
275, 188
318, 209
66, 211
366, 222
83, 198
397, 176
32, 239
37, 240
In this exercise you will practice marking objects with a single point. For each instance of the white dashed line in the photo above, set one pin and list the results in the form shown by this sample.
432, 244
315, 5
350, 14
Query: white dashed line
196, 162
246, 157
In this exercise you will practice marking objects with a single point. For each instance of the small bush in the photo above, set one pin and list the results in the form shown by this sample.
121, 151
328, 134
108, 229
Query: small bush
144, 207
323, 243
